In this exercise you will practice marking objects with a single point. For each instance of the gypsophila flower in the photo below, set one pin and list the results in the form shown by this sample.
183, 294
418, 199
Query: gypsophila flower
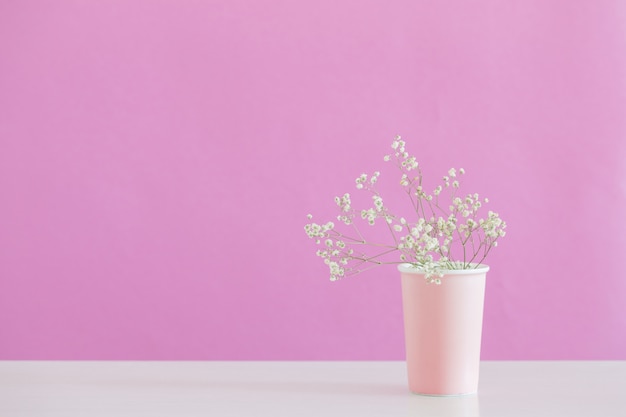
435, 237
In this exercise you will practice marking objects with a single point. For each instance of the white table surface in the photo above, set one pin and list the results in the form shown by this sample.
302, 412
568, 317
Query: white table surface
58, 388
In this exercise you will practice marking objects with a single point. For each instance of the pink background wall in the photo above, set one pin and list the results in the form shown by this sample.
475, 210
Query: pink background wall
158, 158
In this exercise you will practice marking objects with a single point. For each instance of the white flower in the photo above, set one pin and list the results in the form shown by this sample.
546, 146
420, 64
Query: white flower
409, 163
378, 202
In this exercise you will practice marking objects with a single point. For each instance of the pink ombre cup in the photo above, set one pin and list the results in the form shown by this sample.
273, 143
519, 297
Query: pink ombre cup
443, 329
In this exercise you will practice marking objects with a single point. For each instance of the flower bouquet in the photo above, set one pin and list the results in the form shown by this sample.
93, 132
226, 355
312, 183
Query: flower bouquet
444, 230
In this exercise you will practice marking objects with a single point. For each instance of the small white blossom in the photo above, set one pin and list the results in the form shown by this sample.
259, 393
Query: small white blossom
378, 203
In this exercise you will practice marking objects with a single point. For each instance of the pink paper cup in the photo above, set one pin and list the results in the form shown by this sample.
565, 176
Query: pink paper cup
443, 330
